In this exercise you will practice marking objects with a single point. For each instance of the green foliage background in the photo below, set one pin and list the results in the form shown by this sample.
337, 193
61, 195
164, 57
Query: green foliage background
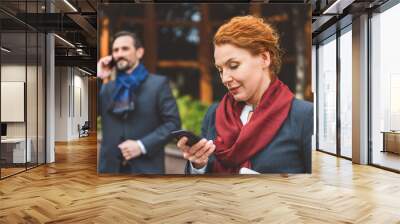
192, 112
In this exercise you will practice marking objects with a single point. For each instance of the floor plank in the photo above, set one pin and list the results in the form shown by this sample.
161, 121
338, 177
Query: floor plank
70, 191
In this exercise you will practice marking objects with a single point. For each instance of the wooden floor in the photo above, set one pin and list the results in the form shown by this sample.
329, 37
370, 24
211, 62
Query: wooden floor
5, 172
387, 159
70, 191
10, 171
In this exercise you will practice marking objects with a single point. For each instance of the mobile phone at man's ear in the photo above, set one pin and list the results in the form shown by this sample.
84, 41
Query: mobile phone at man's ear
112, 63
192, 138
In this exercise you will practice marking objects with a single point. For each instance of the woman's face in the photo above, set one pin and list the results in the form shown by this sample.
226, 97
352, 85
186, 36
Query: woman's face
243, 74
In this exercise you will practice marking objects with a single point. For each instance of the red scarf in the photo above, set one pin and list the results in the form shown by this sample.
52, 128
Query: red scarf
237, 144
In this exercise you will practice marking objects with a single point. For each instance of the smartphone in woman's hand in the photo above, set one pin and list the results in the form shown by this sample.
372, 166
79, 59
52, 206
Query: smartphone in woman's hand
192, 138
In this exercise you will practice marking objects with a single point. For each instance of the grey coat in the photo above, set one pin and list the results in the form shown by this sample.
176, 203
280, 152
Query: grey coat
155, 116
290, 149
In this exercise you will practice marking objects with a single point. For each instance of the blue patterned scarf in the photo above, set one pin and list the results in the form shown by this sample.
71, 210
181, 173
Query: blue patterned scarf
124, 91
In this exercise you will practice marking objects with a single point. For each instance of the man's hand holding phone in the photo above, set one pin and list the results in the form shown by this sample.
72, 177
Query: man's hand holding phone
198, 153
104, 67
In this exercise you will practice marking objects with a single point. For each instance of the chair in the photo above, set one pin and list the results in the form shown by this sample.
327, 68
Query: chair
84, 130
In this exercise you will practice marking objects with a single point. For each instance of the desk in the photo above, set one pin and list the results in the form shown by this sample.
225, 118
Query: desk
13, 150
391, 141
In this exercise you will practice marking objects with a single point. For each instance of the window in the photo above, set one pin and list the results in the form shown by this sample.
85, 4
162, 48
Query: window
327, 95
178, 43
385, 88
22, 76
346, 93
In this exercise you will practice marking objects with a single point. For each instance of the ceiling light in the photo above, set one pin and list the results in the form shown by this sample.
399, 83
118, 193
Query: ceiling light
337, 7
84, 71
70, 5
65, 41
5, 50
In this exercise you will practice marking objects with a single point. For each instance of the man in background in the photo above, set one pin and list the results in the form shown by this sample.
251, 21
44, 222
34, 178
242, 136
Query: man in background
138, 111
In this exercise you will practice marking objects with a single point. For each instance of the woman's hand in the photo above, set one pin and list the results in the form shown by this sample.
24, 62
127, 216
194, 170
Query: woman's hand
197, 154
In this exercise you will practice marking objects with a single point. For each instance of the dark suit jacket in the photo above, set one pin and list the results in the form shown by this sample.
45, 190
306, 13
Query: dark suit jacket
290, 149
155, 116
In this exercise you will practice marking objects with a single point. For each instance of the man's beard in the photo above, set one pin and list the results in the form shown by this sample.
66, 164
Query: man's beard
122, 65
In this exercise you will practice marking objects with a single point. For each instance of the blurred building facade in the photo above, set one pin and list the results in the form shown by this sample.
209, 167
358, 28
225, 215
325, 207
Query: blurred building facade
178, 41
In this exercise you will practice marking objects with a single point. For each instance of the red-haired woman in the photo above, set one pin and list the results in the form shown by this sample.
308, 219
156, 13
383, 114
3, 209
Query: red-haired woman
258, 124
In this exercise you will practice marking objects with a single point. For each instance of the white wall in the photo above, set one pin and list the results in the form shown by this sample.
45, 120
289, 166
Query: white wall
12, 73
16, 73
33, 127
80, 110
71, 94
61, 103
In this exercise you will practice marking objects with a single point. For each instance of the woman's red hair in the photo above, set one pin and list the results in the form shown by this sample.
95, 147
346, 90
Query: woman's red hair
253, 34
